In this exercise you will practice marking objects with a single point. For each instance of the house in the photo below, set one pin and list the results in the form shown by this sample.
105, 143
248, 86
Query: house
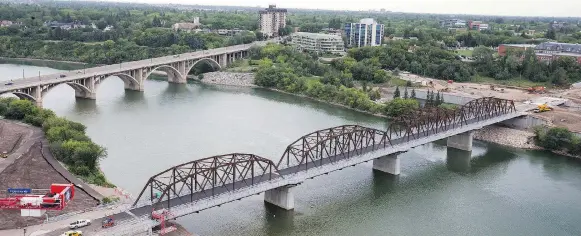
5, 23
503, 48
453, 23
187, 26
64, 26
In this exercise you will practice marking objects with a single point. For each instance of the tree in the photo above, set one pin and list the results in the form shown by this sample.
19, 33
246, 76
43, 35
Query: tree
413, 95
555, 138
551, 34
396, 93
405, 93
400, 106
437, 99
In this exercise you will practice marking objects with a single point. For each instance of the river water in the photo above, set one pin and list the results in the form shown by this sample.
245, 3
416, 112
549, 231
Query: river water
499, 191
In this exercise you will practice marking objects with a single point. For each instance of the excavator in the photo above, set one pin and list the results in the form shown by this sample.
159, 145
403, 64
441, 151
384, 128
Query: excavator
542, 108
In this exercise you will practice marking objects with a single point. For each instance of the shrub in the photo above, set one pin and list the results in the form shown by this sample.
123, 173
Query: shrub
556, 138
18, 109
400, 106
64, 133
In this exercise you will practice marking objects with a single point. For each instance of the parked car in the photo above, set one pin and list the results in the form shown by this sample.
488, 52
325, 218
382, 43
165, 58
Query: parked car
79, 224
9, 83
73, 233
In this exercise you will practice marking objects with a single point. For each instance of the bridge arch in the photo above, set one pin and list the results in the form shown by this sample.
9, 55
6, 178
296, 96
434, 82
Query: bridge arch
213, 63
24, 96
173, 75
208, 177
80, 90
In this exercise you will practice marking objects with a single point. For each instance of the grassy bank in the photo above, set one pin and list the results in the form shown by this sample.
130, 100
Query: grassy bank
68, 141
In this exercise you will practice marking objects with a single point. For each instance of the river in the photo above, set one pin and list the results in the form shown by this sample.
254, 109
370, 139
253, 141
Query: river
501, 191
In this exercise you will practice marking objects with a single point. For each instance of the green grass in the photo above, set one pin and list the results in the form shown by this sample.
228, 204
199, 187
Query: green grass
241, 66
516, 82
463, 52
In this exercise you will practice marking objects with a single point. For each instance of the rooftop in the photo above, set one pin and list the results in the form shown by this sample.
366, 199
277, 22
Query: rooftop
520, 45
367, 21
316, 35
563, 47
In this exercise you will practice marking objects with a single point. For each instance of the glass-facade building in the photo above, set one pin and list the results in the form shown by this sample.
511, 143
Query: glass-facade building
365, 33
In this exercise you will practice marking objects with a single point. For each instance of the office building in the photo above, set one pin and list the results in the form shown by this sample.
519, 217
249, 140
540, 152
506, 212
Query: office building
365, 33
271, 20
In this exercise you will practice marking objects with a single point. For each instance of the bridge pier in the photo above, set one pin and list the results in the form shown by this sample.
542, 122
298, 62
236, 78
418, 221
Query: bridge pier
461, 141
389, 164
282, 197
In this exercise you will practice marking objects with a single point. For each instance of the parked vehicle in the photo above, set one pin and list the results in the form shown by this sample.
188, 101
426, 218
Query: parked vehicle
109, 222
79, 224
62, 76
4, 154
9, 83
73, 233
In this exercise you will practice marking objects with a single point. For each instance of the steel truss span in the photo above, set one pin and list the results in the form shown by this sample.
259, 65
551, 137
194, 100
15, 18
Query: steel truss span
226, 173
207, 177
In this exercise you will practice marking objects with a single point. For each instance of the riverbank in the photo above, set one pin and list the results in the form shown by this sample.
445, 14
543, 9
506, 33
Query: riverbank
507, 137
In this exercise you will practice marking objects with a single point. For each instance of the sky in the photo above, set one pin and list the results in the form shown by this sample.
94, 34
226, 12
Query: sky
557, 8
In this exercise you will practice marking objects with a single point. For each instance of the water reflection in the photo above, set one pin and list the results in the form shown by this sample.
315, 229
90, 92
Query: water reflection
458, 160
277, 220
383, 183
85, 106
133, 97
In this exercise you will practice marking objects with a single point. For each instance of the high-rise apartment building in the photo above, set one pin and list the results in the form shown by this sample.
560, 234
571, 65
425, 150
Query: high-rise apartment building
365, 33
271, 20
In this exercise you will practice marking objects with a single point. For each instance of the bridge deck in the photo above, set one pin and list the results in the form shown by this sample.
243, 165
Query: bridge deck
202, 200
21, 83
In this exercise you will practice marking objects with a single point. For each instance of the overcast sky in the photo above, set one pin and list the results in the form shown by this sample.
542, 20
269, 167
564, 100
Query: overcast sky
559, 8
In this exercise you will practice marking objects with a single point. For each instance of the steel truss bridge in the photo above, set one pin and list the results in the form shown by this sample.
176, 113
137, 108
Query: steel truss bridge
201, 184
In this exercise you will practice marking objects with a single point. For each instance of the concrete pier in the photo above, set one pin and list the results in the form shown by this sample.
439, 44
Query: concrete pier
388, 164
282, 197
461, 141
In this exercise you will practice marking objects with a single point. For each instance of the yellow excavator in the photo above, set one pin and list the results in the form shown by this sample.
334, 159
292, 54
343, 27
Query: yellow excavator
543, 108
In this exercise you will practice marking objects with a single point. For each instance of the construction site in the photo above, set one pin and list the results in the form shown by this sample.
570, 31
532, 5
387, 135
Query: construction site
24, 165
559, 107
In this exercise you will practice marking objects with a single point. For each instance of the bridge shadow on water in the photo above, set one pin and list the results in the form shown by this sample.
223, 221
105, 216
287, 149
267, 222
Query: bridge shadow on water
277, 220
85, 106
386, 187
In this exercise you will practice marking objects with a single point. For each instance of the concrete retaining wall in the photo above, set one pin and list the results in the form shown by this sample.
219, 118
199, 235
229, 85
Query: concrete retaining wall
524, 122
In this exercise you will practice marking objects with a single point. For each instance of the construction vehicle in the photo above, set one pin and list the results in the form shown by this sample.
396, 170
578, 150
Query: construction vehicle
542, 108
537, 89
4, 154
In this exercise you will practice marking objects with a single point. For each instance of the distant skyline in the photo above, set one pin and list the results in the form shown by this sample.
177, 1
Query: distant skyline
550, 8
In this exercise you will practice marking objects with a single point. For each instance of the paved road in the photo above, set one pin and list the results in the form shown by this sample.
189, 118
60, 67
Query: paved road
19, 83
